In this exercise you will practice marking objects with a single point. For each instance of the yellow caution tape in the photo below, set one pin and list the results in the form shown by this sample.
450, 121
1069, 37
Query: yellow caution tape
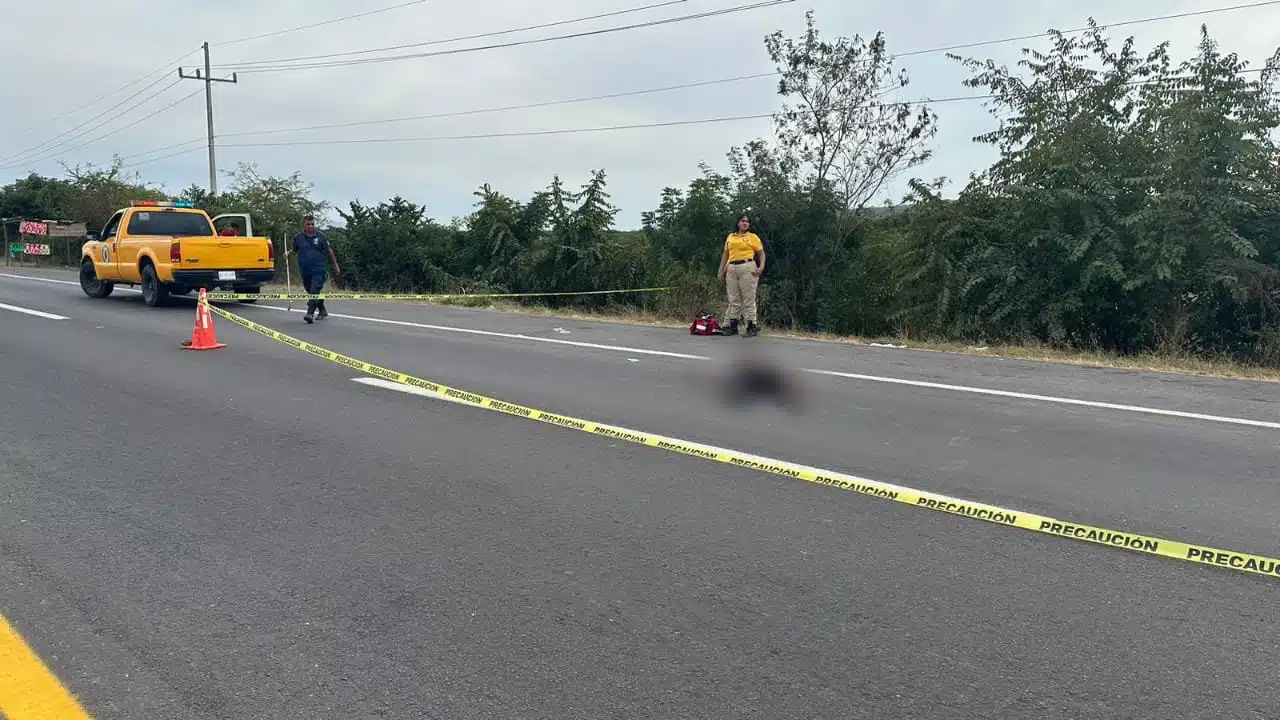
1227, 559
412, 296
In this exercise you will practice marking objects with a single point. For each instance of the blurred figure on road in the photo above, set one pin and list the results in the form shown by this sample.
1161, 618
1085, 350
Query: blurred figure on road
751, 374
741, 264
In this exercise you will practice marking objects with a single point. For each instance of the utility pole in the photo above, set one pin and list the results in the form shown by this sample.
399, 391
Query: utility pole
209, 80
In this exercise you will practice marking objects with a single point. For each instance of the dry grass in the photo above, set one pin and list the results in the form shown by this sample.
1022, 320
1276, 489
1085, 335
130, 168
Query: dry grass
1202, 367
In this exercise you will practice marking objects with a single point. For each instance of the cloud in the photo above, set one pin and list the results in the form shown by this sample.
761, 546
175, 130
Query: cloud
76, 52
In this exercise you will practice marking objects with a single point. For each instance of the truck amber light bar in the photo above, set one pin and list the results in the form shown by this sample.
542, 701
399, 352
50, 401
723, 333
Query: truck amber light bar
162, 203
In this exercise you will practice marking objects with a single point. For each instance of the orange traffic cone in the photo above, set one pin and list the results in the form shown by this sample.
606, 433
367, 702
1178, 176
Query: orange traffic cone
203, 336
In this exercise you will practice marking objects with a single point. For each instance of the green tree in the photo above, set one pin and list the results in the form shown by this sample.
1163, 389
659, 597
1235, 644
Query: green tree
496, 236
95, 194
690, 226
34, 196
1207, 231
569, 256
1134, 206
393, 247
276, 204
1131, 208
1056, 264
834, 122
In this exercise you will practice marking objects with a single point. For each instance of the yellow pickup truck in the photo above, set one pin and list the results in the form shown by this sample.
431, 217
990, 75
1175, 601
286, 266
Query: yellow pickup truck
172, 248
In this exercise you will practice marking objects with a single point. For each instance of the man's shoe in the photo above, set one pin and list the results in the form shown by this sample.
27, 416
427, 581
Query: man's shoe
307, 318
324, 312
752, 330
731, 328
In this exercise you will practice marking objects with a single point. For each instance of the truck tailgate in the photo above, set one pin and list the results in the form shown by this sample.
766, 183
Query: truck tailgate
225, 253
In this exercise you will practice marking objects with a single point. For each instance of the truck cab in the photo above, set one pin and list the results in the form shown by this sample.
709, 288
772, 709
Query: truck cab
172, 248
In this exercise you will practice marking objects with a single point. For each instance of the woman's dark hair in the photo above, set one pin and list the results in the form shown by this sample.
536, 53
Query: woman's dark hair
738, 219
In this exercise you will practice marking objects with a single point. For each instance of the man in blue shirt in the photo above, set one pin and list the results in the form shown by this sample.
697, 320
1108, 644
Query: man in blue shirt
314, 255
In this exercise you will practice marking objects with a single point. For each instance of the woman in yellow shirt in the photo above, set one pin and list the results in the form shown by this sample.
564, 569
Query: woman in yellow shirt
741, 265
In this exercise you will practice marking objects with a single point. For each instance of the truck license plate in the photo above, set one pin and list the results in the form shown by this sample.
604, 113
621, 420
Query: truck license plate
226, 274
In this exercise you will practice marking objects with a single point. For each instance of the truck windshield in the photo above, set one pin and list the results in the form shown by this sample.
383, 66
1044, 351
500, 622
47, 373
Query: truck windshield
186, 224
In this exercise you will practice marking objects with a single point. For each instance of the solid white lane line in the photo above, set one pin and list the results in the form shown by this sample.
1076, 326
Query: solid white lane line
39, 279
830, 373
833, 373
62, 282
1052, 399
29, 311
509, 336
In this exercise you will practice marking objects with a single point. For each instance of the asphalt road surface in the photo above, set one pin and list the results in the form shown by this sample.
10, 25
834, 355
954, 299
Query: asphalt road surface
251, 533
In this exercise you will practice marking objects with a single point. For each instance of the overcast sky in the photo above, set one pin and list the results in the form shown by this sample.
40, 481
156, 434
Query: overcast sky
60, 54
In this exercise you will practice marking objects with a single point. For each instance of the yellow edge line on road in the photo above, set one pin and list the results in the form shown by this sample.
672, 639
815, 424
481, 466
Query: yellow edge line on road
28, 689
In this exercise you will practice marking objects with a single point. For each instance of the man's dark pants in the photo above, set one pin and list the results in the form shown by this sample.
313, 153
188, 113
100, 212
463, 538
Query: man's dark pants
313, 282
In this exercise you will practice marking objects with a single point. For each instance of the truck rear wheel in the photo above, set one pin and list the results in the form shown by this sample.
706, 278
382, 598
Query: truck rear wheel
154, 292
89, 282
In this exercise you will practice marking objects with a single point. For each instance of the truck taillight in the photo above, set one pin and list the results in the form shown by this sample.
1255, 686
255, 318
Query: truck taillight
271, 250
175, 253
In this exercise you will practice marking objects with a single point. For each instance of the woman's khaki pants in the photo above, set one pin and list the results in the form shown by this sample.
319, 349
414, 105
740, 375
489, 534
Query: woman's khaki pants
740, 281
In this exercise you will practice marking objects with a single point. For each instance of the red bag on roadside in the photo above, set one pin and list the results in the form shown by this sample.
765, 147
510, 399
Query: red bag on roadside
705, 324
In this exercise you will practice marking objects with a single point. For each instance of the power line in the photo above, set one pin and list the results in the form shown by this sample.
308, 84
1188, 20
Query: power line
604, 128
459, 38
518, 43
481, 111
1123, 23
772, 2
525, 133
703, 83
148, 161
279, 64
169, 65
483, 136
122, 128
181, 73
674, 87
163, 68
322, 23
41, 148
960, 98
